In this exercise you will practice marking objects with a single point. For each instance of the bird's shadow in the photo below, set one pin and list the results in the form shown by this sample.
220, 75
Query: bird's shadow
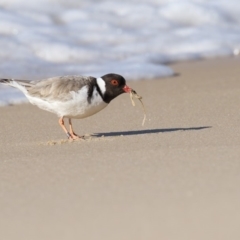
147, 131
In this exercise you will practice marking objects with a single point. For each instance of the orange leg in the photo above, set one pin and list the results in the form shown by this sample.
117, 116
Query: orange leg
72, 133
61, 122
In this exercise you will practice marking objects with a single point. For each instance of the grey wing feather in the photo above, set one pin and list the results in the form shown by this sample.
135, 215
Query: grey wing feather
57, 88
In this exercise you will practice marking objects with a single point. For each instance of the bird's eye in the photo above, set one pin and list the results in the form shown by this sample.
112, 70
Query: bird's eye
114, 82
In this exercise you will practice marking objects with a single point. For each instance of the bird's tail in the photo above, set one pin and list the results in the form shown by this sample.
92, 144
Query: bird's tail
20, 84
6, 81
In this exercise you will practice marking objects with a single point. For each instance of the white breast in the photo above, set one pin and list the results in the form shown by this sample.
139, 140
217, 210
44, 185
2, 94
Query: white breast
76, 107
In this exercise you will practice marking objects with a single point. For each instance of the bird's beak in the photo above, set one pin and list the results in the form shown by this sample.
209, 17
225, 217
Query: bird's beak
127, 89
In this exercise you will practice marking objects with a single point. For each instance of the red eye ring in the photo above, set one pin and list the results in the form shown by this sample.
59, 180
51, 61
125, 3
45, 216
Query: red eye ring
114, 82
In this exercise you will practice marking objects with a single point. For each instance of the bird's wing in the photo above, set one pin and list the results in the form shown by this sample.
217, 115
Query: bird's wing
56, 88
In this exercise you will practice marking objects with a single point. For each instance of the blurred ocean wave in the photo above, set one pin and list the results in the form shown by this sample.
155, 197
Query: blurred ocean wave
135, 38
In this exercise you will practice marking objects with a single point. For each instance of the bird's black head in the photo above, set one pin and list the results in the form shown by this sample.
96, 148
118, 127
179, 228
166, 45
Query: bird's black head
115, 85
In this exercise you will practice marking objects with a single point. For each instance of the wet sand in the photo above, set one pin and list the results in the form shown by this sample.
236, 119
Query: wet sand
178, 177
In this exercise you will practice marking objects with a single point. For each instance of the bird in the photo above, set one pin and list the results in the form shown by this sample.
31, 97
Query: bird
72, 96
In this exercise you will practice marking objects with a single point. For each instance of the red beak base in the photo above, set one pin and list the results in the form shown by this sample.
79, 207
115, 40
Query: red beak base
127, 89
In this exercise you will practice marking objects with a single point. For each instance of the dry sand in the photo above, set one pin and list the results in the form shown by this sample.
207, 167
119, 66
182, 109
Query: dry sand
176, 178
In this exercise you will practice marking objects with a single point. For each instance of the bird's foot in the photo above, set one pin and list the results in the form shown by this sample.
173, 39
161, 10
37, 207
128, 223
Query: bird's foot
73, 136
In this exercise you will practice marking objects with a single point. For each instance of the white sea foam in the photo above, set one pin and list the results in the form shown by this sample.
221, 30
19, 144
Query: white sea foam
135, 38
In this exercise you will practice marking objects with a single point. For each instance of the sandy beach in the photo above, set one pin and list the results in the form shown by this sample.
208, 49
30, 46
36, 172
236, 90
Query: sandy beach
176, 178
